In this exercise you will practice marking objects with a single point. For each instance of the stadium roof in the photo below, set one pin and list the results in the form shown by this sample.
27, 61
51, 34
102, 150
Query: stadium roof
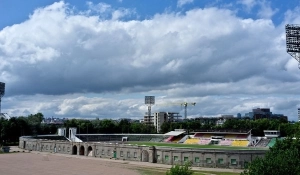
224, 132
174, 133
5, 116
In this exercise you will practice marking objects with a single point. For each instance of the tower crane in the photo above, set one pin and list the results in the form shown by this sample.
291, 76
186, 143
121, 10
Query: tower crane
182, 104
185, 104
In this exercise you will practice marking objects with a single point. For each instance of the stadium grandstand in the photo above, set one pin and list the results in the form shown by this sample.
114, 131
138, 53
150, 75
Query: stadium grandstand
269, 139
179, 136
222, 138
5, 116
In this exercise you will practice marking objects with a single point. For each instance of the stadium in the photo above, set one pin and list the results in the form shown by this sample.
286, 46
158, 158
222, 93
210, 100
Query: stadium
217, 149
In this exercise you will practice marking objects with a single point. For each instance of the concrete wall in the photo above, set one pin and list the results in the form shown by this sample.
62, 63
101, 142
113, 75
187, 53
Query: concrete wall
162, 155
207, 157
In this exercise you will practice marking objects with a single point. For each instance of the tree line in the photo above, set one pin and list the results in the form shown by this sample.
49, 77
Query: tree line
256, 126
15, 127
11, 129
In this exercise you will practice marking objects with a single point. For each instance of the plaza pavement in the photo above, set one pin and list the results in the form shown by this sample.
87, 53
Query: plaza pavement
40, 163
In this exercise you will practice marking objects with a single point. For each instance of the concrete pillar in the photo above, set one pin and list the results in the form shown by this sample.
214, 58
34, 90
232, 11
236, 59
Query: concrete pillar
152, 153
94, 150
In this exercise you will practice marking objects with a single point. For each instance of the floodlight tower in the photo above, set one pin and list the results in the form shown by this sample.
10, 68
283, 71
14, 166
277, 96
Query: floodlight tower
149, 100
2, 92
293, 41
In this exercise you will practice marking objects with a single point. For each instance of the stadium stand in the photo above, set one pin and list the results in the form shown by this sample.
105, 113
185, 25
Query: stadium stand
263, 142
240, 143
230, 136
50, 137
204, 141
176, 139
183, 139
198, 135
192, 141
272, 142
133, 138
120, 137
175, 136
5, 116
169, 139
241, 136
145, 138
225, 142
206, 136
156, 139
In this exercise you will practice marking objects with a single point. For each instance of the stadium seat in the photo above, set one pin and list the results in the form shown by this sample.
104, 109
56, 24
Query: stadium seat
240, 143
225, 142
192, 141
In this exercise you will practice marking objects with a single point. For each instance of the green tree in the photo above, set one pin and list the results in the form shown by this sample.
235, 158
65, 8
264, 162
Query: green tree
283, 158
185, 169
34, 122
124, 126
136, 127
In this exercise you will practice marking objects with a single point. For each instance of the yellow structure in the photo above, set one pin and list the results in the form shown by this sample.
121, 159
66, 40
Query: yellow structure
240, 143
192, 141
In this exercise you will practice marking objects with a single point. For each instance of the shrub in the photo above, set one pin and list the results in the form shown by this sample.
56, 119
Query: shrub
185, 169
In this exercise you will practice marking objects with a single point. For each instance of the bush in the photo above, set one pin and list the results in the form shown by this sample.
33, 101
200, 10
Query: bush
185, 169
282, 158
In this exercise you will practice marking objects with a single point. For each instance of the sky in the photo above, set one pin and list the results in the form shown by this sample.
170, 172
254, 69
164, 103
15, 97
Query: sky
99, 59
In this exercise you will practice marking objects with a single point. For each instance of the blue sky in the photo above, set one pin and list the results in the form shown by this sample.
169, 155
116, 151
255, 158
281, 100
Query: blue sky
14, 11
87, 59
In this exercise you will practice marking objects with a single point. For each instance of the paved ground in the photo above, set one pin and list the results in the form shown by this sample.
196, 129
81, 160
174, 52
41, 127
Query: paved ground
38, 163
51, 164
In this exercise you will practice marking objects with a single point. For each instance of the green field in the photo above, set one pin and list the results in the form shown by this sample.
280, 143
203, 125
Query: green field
176, 145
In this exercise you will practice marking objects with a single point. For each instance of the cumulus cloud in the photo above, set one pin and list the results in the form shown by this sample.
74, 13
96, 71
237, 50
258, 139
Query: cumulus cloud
181, 3
107, 11
53, 61
266, 11
249, 4
264, 8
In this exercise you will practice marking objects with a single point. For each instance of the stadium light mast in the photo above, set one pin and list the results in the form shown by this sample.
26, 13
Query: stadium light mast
149, 101
2, 92
293, 41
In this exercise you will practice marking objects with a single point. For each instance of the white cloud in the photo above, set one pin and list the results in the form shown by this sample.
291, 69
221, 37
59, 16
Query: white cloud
249, 4
100, 8
266, 11
211, 56
107, 11
181, 3
264, 8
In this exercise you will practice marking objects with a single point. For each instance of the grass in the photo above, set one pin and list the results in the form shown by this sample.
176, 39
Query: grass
176, 145
151, 171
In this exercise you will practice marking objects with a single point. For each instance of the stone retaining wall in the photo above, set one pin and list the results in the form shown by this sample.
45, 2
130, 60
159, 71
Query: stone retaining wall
163, 155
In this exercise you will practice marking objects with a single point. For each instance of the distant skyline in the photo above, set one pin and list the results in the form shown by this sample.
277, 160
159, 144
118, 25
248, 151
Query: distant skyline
88, 59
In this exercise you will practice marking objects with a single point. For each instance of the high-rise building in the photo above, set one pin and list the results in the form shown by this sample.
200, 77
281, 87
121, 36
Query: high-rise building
260, 113
160, 117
